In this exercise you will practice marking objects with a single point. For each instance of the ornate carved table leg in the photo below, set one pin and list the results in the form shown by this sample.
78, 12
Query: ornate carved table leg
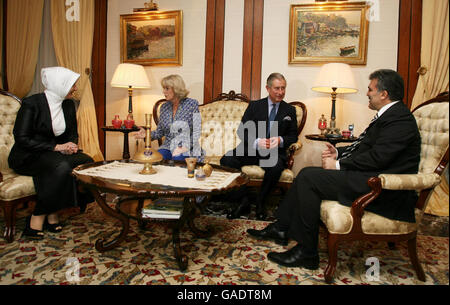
100, 244
192, 211
182, 259
139, 207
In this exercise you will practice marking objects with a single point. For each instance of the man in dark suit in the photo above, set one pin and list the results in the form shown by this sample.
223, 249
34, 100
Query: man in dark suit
268, 127
390, 144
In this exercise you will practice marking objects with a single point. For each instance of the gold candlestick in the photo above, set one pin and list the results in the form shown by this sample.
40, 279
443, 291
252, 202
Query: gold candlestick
148, 155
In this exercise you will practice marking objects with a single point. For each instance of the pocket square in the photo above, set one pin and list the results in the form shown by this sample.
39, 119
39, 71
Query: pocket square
287, 118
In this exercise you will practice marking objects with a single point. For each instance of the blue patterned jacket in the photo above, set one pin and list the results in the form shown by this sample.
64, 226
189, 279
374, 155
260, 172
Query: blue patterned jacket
182, 130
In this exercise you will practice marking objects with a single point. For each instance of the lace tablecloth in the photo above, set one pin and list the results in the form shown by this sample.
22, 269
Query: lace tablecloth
166, 175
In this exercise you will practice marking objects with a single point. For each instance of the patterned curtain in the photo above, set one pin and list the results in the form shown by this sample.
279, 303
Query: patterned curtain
73, 32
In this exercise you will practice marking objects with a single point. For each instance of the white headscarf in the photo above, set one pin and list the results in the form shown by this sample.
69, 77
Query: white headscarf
58, 81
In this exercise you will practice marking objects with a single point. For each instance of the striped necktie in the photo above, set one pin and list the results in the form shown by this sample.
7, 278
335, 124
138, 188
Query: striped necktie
273, 113
349, 150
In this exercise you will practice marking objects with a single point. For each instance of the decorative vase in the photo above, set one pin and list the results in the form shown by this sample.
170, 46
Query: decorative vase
117, 123
129, 122
207, 169
200, 174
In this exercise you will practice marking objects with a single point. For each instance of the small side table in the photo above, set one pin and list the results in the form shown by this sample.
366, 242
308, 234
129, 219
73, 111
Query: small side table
332, 141
125, 131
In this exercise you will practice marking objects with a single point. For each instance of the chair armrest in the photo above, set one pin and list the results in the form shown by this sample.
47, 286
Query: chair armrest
295, 147
409, 181
292, 151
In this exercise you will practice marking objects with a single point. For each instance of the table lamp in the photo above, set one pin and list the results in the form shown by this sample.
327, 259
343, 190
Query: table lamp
130, 76
334, 78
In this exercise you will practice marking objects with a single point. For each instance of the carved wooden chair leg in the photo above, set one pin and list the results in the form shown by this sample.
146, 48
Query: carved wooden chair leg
9, 212
412, 251
332, 257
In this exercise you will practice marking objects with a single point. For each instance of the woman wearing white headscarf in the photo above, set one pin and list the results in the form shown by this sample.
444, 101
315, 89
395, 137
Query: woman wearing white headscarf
45, 134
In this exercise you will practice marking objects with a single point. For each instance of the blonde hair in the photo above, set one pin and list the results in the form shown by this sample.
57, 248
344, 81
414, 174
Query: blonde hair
175, 82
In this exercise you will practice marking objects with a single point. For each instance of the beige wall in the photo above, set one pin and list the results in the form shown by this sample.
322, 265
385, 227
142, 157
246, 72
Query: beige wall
352, 108
192, 70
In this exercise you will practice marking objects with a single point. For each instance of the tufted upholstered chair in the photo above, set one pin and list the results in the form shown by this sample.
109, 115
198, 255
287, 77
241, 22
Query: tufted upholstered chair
353, 223
14, 189
220, 121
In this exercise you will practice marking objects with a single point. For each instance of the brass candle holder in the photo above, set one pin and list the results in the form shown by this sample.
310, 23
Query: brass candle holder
148, 155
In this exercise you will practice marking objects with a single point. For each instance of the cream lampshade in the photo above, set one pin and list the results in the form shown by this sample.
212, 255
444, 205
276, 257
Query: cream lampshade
335, 78
130, 76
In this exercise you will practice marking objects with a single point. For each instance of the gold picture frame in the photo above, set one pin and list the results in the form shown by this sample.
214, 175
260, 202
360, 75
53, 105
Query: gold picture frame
152, 38
329, 32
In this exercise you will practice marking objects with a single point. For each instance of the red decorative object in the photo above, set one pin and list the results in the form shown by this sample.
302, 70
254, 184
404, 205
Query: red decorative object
346, 133
117, 123
129, 122
322, 124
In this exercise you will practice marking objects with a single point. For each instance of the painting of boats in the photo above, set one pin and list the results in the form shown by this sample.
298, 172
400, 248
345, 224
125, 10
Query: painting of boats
328, 32
152, 38
347, 50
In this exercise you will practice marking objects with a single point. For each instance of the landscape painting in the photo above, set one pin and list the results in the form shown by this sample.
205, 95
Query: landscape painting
153, 38
330, 32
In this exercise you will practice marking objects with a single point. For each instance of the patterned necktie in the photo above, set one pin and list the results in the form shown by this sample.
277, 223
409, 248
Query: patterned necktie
349, 150
272, 115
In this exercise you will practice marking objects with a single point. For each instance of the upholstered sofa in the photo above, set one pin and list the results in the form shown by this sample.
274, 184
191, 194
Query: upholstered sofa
220, 120
14, 189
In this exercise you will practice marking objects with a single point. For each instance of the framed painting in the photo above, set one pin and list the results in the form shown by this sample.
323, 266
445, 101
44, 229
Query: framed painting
152, 38
329, 32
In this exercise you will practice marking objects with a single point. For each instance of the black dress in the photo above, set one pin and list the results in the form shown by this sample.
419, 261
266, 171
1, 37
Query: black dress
33, 155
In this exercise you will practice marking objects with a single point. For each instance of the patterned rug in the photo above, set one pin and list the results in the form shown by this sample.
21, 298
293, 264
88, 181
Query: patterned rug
229, 257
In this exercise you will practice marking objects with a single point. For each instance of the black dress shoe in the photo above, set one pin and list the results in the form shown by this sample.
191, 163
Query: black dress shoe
270, 233
28, 232
261, 216
52, 227
294, 258
260, 213
239, 211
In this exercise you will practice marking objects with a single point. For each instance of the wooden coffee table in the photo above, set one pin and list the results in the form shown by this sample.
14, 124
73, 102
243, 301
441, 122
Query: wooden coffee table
138, 191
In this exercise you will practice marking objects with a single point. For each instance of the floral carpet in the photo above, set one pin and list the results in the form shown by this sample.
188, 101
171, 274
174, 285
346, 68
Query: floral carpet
229, 257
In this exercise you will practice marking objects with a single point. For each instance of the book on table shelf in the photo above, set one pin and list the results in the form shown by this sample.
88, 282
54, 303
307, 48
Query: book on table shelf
170, 208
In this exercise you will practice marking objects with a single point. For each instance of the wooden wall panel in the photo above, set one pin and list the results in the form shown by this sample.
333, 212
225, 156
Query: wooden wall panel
99, 67
252, 48
409, 45
215, 28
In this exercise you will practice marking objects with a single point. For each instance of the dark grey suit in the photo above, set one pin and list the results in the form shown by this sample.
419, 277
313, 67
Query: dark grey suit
257, 114
391, 145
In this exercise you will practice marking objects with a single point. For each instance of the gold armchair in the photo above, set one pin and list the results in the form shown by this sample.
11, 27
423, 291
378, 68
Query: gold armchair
15, 190
353, 223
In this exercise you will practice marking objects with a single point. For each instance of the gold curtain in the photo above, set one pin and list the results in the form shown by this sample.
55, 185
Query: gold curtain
433, 78
73, 41
24, 20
